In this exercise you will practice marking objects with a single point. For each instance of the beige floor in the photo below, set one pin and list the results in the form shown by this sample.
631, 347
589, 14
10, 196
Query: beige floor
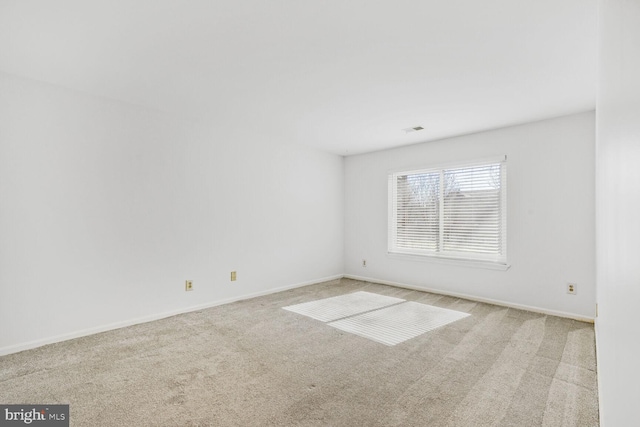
251, 364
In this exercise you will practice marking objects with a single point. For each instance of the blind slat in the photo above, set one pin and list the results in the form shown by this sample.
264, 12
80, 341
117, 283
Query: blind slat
460, 209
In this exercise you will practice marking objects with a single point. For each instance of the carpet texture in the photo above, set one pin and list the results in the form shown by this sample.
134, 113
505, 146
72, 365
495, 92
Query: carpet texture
251, 363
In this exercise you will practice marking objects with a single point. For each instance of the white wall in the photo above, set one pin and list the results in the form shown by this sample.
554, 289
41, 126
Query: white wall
550, 220
618, 213
106, 208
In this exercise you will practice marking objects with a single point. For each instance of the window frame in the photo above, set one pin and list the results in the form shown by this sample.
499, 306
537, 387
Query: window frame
466, 258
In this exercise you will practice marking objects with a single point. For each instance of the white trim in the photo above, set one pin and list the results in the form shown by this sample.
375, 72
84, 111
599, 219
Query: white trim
474, 298
503, 205
392, 232
117, 325
441, 259
440, 214
499, 259
598, 371
436, 167
150, 318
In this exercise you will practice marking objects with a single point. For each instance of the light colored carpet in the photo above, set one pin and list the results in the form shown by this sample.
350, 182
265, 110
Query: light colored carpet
251, 363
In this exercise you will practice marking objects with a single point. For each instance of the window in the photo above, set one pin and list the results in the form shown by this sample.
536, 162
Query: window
455, 212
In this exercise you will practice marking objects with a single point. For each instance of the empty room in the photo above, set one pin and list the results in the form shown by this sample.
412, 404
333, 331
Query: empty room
319, 213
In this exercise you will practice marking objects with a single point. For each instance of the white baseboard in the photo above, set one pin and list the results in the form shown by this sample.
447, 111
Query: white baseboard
117, 325
596, 329
475, 298
150, 318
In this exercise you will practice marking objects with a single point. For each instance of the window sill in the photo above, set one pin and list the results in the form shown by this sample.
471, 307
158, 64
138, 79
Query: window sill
488, 265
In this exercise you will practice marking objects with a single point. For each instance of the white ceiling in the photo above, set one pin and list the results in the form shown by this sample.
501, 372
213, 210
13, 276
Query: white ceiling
344, 76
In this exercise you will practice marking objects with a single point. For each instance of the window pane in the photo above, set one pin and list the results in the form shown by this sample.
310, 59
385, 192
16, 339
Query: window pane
450, 213
472, 210
417, 212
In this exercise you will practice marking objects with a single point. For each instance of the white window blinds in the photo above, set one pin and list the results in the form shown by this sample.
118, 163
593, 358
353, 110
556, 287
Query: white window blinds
418, 211
457, 212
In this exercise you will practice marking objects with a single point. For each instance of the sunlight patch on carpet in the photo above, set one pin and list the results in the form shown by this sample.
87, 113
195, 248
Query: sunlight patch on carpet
335, 308
384, 319
393, 325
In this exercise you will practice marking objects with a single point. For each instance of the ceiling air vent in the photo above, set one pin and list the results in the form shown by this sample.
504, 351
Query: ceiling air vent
413, 129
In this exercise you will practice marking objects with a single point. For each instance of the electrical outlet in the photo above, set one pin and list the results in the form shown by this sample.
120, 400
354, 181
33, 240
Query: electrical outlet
233, 276
572, 288
364, 262
188, 285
